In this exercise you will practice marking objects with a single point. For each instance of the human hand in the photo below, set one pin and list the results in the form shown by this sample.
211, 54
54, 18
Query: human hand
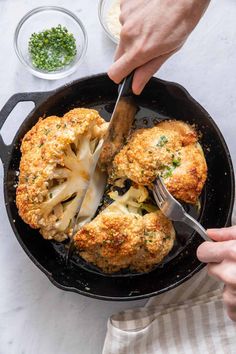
221, 259
152, 30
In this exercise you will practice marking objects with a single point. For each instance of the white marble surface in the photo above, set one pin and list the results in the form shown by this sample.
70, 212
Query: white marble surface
35, 316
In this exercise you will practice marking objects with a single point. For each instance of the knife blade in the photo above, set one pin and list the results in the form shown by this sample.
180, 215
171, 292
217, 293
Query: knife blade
120, 124
118, 131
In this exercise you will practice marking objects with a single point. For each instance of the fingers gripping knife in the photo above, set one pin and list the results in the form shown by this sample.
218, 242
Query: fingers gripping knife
118, 130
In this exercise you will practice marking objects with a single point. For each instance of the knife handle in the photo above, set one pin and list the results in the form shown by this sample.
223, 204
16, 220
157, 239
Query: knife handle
126, 85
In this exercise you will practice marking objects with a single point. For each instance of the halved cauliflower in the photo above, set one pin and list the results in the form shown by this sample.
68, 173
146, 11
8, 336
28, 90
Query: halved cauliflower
169, 149
58, 155
121, 237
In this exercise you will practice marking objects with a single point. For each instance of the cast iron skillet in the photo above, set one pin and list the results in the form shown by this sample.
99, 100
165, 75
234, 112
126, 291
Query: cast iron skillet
160, 100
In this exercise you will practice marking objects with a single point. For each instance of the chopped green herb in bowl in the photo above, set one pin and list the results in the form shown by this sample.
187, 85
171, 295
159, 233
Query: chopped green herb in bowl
52, 49
50, 42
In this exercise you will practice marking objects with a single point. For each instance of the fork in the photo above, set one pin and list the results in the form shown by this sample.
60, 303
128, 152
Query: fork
173, 210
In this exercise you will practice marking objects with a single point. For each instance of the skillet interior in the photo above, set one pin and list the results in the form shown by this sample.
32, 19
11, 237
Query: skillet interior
160, 100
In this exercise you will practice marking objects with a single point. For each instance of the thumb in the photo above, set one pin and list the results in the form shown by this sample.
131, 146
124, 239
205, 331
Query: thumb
223, 234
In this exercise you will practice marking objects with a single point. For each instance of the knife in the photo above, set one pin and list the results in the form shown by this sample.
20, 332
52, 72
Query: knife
118, 131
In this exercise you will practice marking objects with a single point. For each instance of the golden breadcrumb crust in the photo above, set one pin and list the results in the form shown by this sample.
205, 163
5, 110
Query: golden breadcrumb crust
114, 242
169, 149
52, 167
120, 237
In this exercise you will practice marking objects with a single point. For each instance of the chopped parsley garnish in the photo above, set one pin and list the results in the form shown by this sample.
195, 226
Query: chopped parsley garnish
162, 141
150, 233
46, 131
167, 170
167, 237
52, 49
176, 161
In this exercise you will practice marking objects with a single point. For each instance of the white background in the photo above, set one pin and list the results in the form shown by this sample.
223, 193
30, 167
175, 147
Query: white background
36, 317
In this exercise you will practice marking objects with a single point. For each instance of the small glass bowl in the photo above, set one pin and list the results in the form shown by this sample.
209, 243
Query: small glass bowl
103, 9
40, 19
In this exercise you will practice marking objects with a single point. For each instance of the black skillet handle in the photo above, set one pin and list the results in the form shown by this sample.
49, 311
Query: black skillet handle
36, 97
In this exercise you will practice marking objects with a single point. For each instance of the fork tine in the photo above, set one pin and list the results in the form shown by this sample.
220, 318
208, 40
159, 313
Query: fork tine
160, 184
157, 191
161, 188
166, 194
157, 198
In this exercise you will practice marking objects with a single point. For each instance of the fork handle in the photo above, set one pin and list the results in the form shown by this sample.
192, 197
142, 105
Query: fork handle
194, 224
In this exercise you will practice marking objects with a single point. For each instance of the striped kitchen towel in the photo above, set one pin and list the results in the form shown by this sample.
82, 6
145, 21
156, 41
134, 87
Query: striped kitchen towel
185, 320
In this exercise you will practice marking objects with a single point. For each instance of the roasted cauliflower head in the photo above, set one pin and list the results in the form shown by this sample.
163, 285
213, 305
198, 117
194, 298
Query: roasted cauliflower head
171, 150
58, 154
122, 237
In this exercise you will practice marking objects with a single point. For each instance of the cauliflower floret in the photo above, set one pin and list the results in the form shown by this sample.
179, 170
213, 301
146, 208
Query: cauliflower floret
120, 237
58, 155
170, 149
